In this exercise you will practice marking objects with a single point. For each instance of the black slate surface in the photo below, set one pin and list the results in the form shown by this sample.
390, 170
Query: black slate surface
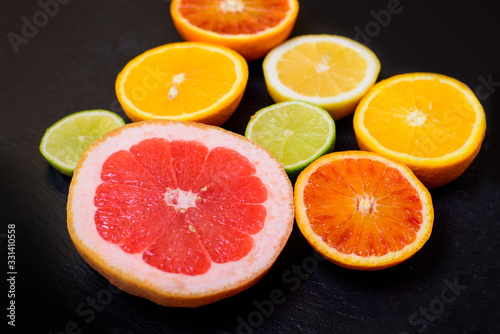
69, 62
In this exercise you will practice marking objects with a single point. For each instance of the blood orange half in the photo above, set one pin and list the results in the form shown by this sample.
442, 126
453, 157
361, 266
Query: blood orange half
250, 27
363, 211
183, 214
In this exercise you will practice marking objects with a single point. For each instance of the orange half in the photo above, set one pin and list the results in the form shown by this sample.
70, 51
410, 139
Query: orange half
250, 27
362, 211
431, 122
184, 81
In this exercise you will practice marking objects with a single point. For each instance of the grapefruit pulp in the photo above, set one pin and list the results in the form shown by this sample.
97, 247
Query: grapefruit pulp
183, 214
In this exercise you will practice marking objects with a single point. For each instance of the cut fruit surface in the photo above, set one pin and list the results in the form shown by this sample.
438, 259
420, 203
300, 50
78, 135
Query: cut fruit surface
362, 211
250, 27
184, 82
63, 143
181, 213
295, 132
330, 71
432, 123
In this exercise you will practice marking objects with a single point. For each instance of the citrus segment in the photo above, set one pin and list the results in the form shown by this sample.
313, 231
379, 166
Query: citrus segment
222, 165
63, 142
158, 203
331, 71
295, 132
245, 217
431, 122
249, 27
183, 81
361, 210
122, 168
222, 242
154, 156
178, 250
192, 154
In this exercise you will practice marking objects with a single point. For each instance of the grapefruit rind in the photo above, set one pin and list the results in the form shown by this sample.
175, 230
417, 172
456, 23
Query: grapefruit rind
128, 271
433, 172
250, 46
215, 114
353, 261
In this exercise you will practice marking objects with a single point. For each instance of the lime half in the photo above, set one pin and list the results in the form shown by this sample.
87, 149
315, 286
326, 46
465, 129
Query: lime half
64, 142
295, 132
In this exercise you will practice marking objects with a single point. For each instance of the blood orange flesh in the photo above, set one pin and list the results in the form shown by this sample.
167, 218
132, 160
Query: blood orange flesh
367, 198
364, 210
181, 213
249, 27
234, 17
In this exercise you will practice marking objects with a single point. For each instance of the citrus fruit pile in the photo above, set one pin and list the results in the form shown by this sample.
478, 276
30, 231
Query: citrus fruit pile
184, 213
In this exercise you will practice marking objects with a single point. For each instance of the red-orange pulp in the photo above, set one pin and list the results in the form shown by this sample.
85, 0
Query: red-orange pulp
363, 207
229, 17
180, 204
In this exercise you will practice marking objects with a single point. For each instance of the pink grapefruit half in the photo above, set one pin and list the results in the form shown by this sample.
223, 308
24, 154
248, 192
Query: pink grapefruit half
183, 214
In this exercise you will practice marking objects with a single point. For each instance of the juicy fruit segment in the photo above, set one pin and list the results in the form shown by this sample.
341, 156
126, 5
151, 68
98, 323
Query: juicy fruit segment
63, 143
250, 27
333, 72
181, 219
432, 123
183, 81
363, 207
295, 132
362, 211
234, 17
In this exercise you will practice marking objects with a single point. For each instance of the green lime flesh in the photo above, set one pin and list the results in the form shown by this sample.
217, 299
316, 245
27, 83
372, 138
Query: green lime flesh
64, 142
295, 132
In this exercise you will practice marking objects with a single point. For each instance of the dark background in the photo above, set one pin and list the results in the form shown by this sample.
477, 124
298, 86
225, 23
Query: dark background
70, 64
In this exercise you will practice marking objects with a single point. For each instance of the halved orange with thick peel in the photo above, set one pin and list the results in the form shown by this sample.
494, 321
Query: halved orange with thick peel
184, 81
362, 211
250, 27
431, 122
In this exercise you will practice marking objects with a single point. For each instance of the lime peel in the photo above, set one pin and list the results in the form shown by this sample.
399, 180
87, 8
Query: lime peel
64, 141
